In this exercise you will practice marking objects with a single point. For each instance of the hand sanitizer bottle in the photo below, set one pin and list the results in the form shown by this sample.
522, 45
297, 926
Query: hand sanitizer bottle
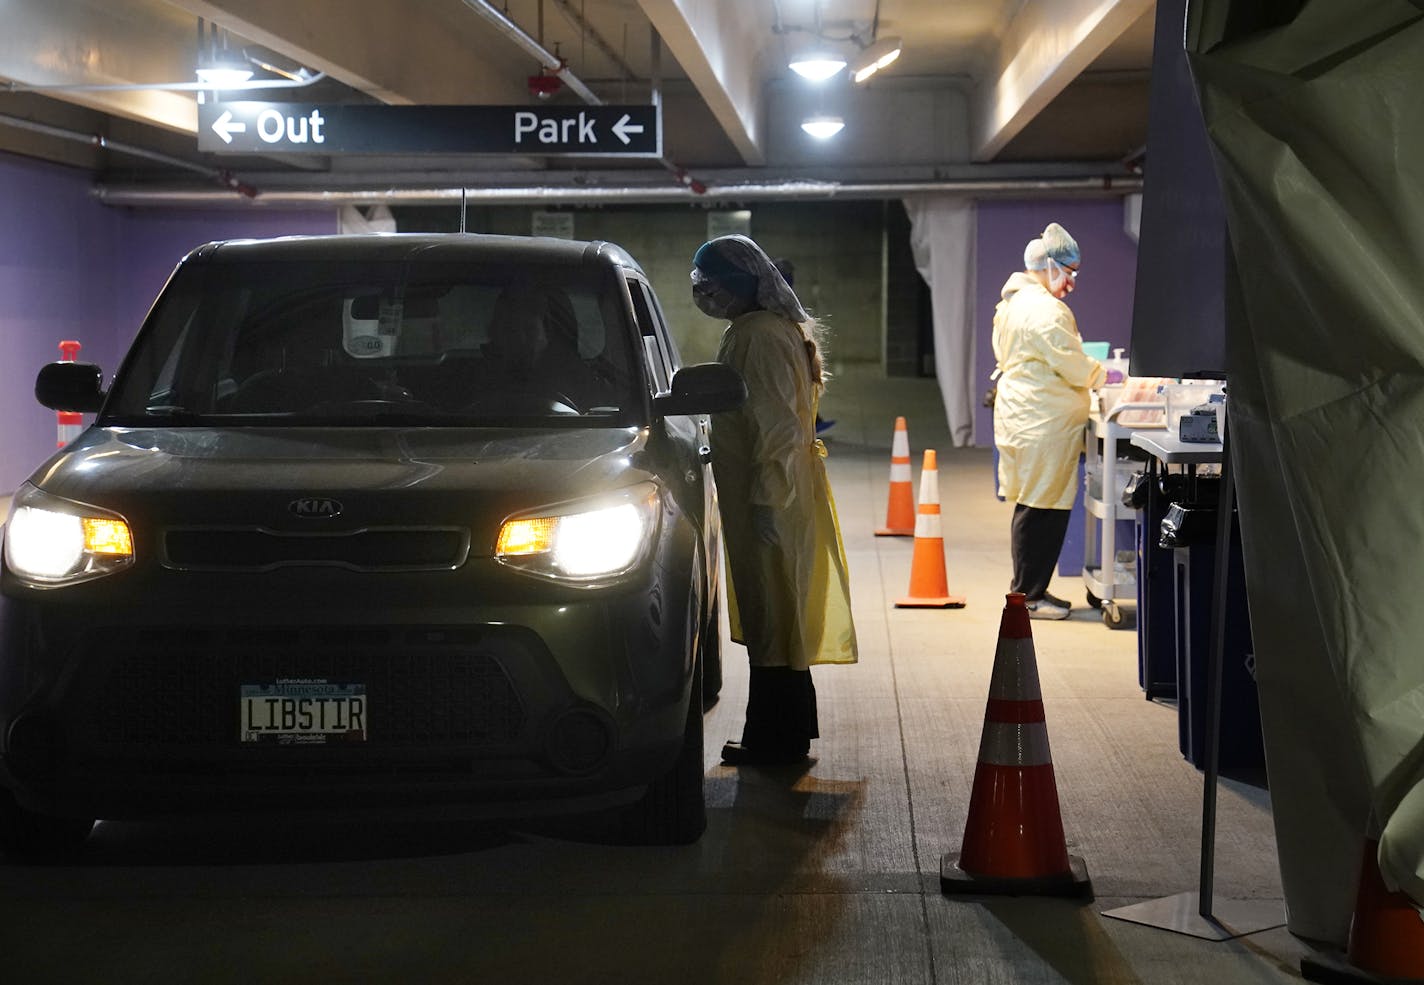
1116, 367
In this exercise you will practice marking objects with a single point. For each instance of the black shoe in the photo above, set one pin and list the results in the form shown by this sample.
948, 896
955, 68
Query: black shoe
1055, 600
736, 754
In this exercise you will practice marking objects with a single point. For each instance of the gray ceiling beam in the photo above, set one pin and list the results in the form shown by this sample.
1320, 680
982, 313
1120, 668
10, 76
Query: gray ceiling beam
1046, 47
77, 42
719, 46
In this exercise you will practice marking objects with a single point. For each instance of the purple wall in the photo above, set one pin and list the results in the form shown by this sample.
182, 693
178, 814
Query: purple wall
73, 269
1102, 301
154, 241
50, 232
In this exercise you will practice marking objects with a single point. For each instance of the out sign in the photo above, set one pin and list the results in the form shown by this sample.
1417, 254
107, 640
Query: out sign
273, 127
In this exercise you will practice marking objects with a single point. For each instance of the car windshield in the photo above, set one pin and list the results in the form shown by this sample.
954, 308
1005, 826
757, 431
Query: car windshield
399, 342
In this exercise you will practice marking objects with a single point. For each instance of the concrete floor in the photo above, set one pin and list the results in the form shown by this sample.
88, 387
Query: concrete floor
826, 875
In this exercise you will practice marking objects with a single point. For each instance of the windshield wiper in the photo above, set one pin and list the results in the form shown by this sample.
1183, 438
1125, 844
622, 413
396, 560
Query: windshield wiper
172, 412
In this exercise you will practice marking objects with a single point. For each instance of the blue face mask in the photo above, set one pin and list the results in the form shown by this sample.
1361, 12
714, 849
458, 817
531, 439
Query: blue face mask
715, 300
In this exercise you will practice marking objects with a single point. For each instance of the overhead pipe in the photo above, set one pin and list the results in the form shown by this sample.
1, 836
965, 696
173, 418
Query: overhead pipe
139, 196
555, 64
220, 175
544, 56
165, 86
587, 30
655, 65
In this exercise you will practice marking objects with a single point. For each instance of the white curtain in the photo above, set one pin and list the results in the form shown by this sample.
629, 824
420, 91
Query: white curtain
365, 219
942, 238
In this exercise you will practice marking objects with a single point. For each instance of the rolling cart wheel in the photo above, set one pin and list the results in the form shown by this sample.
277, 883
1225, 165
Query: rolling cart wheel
1094, 601
1115, 618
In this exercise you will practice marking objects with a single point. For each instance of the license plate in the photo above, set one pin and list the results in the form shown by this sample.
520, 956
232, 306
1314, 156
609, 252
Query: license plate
301, 711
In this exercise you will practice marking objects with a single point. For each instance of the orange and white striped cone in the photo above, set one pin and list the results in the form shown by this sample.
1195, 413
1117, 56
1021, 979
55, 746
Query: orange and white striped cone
1013, 837
929, 588
68, 424
900, 513
1386, 934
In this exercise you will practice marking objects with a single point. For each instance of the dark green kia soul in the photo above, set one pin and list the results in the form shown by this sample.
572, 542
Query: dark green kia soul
370, 522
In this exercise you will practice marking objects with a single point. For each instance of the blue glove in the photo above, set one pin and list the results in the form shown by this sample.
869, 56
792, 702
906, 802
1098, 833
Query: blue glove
764, 523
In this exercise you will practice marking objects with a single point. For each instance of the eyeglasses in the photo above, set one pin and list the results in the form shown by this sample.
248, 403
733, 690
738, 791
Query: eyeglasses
1070, 271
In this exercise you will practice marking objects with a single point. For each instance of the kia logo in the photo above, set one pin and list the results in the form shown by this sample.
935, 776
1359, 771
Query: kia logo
317, 506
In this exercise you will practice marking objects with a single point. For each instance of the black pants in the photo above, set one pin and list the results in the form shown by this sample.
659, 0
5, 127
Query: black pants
781, 710
1035, 541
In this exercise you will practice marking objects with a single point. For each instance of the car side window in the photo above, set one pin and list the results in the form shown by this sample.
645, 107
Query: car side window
659, 367
668, 342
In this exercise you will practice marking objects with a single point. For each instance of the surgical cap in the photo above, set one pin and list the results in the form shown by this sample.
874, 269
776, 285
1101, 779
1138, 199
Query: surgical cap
717, 266
1055, 244
736, 264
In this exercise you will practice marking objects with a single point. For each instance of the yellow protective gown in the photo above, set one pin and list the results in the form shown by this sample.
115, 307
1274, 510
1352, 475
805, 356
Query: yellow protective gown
1042, 403
788, 603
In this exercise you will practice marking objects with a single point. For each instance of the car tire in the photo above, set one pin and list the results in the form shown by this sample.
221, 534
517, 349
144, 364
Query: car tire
710, 656
37, 837
673, 810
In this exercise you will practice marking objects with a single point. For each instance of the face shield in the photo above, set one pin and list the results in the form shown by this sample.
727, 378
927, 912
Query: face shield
713, 298
1061, 279
743, 270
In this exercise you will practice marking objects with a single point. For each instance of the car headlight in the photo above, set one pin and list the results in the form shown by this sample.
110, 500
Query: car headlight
585, 542
51, 542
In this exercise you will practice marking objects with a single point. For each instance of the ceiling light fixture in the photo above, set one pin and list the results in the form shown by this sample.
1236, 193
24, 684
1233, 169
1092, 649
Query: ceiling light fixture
818, 66
224, 74
218, 65
823, 127
874, 57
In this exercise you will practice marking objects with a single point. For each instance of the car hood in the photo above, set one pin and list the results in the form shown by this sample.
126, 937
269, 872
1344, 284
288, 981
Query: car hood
376, 476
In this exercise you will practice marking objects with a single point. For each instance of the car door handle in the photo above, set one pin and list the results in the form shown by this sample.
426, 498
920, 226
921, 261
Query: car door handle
704, 454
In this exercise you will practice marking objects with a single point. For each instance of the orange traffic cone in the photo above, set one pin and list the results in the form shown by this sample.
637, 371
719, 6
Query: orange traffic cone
1386, 935
900, 514
1013, 837
929, 589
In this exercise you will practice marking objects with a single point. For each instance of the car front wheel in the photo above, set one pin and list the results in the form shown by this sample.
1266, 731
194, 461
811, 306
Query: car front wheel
27, 835
673, 810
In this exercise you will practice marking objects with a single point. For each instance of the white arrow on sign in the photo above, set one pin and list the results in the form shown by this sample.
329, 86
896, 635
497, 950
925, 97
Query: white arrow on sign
224, 127
622, 128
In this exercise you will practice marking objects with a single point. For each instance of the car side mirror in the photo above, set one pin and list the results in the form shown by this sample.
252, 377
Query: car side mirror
74, 387
705, 388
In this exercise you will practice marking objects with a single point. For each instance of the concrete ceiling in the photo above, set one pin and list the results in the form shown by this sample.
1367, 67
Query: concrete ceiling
1000, 82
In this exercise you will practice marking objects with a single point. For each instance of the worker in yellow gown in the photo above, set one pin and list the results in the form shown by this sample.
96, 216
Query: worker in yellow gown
788, 592
1040, 410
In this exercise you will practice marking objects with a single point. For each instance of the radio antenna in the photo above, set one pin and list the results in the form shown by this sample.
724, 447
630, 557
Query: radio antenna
463, 192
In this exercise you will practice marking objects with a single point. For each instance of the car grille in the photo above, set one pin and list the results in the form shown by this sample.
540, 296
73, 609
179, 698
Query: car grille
425, 687
254, 549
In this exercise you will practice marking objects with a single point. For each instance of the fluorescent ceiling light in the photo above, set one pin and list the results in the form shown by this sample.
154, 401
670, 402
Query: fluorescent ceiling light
875, 57
818, 66
823, 127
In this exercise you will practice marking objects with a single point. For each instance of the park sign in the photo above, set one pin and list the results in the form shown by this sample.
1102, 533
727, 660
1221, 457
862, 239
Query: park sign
309, 128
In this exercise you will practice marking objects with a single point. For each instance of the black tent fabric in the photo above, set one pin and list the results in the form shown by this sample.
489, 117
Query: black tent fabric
1312, 109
